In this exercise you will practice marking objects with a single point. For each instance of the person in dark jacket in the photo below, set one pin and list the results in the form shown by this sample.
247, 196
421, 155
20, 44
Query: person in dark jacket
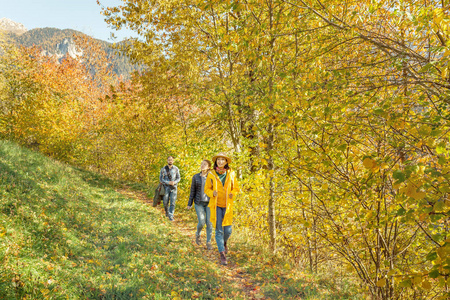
201, 201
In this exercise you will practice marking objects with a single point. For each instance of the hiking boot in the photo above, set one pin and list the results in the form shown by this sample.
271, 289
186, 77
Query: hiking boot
223, 259
208, 246
226, 248
197, 240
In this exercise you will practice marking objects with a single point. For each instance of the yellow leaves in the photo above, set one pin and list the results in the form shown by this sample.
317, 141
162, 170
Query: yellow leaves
2, 230
370, 164
424, 130
444, 73
421, 170
45, 291
369, 215
175, 296
411, 191
381, 282
426, 285
443, 251
423, 217
399, 125
446, 53
417, 279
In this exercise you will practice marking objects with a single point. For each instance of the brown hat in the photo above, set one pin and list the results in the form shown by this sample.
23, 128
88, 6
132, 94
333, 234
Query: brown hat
221, 154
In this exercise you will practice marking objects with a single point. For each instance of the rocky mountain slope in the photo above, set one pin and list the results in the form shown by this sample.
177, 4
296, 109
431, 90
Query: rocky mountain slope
11, 26
59, 42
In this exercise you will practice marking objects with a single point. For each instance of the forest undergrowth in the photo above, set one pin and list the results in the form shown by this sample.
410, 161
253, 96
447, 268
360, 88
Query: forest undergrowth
66, 233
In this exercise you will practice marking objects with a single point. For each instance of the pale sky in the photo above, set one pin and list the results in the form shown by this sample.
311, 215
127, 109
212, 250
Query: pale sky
81, 15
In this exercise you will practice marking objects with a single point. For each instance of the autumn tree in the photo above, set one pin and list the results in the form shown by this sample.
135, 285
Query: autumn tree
341, 106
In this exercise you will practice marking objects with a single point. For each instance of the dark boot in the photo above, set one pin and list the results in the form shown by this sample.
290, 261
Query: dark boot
223, 259
226, 248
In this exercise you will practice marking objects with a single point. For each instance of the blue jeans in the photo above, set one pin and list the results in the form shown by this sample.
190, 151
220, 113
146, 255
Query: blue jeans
204, 217
172, 195
222, 232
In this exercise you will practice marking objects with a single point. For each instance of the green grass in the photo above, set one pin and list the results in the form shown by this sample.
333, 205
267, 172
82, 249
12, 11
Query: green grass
66, 233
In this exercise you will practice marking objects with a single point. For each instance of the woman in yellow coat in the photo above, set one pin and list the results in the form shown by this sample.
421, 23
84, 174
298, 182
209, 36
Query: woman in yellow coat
222, 187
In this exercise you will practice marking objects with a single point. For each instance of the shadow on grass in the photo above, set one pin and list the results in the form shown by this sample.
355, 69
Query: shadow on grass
76, 237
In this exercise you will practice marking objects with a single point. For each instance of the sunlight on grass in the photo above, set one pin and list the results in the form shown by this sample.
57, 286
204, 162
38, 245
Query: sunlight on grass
67, 233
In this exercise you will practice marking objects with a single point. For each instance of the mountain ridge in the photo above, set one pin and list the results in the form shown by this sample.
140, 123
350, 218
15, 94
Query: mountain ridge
59, 42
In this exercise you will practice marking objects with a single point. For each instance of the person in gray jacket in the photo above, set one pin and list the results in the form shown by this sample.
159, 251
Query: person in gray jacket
201, 200
169, 177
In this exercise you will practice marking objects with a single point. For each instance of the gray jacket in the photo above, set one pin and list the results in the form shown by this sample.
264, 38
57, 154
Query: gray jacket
164, 177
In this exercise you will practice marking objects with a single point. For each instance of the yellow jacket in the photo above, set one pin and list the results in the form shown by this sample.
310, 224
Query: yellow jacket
231, 186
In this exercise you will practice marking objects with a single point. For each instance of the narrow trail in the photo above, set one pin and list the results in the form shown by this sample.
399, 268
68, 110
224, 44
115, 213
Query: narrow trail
232, 273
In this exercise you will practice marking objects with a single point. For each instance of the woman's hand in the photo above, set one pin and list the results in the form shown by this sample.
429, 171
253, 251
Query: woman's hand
215, 193
230, 196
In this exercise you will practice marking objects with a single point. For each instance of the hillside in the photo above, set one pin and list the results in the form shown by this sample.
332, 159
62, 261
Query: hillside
50, 39
69, 233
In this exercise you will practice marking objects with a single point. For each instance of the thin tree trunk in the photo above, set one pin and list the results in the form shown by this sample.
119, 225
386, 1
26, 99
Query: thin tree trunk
270, 146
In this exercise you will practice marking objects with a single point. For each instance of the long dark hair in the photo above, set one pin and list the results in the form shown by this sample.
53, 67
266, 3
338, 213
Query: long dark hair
226, 167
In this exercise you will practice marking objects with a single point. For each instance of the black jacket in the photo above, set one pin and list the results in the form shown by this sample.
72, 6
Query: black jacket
196, 191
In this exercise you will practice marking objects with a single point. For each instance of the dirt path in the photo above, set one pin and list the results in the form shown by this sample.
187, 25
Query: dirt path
233, 273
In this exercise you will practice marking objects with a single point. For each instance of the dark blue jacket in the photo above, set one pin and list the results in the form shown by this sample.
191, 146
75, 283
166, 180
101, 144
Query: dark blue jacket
196, 191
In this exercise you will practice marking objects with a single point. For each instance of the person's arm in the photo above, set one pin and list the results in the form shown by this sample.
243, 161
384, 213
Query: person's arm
209, 186
193, 191
161, 177
177, 177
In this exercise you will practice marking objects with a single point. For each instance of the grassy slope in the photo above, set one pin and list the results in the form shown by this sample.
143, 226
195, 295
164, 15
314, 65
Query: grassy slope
67, 234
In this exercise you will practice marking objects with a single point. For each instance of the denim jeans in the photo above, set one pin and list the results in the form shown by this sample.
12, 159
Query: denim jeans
222, 232
172, 195
204, 217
